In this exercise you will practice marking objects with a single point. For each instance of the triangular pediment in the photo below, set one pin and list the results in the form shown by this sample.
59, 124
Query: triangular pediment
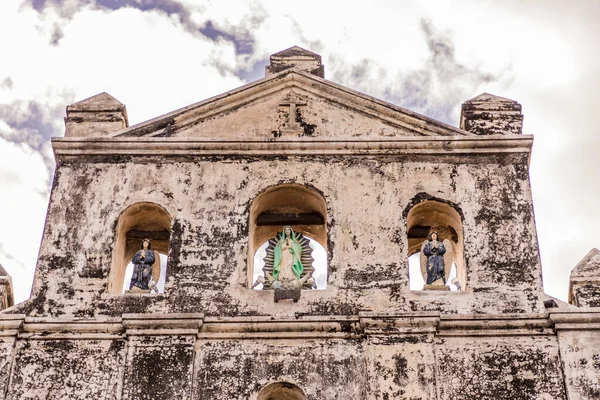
295, 104
295, 51
487, 97
100, 102
588, 267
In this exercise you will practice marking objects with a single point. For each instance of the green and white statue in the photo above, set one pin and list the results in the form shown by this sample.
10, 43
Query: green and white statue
288, 263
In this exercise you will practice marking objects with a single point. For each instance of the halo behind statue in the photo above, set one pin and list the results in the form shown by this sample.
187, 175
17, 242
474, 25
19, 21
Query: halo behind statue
306, 259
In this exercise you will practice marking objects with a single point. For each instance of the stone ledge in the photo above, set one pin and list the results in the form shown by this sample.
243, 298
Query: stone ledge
496, 332
276, 335
584, 320
449, 145
367, 323
70, 336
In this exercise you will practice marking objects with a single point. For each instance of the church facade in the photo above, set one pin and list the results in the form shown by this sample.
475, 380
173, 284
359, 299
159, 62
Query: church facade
257, 245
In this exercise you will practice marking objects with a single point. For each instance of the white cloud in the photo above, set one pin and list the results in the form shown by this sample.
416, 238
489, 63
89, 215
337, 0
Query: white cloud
540, 53
23, 203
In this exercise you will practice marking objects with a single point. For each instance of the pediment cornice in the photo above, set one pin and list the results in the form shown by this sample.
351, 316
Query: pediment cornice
302, 83
454, 146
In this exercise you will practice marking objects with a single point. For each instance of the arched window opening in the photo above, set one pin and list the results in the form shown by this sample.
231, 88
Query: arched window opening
138, 223
288, 239
435, 247
281, 391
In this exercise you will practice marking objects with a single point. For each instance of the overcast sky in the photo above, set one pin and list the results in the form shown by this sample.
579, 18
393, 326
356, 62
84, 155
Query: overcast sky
158, 55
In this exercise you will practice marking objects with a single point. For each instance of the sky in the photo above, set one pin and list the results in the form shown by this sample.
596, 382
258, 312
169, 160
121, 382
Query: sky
427, 56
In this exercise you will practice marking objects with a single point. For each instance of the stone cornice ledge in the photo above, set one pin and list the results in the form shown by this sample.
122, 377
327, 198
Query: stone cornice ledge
301, 326
11, 324
447, 145
495, 325
587, 319
280, 327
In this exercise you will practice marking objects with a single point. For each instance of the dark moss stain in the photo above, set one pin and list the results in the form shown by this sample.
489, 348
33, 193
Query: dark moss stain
57, 263
229, 370
175, 243
57, 173
331, 268
66, 289
35, 304
371, 275
160, 372
335, 307
397, 293
502, 372
410, 339
94, 268
308, 129
88, 312
58, 345
401, 365
512, 257
136, 304
422, 196
587, 295
72, 369
453, 175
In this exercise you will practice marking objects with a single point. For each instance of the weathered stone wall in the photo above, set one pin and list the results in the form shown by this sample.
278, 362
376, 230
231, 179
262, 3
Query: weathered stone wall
580, 352
325, 369
500, 368
401, 366
66, 369
160, 363
209, 200
403, 357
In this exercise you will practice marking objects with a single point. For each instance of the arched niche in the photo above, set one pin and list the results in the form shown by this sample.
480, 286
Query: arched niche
302, 208
433, 215
137, 222
281, 391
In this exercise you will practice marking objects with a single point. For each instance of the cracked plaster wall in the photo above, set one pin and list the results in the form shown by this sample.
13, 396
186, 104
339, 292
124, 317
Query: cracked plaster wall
580, 352
209, 201
499, 368
413, 366
66, 369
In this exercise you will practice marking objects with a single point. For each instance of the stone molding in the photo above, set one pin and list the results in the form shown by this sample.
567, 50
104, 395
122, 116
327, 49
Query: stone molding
290, 327
456, 145
584, 320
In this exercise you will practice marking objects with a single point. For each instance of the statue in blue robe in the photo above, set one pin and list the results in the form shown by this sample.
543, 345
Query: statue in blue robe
142, 261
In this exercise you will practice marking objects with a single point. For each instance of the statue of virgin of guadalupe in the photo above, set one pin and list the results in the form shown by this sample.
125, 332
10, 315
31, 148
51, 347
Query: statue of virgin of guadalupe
288, 263
288, 252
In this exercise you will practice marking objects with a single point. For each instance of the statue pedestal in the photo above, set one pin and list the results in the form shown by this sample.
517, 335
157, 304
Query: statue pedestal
137, 290
287, 294
436, 287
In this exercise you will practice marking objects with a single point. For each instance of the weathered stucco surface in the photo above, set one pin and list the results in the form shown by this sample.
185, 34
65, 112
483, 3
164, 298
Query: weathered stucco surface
161, 362
580, 352
500, 368
209, 201
326, 369
367, 336
66, 369
584, 284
